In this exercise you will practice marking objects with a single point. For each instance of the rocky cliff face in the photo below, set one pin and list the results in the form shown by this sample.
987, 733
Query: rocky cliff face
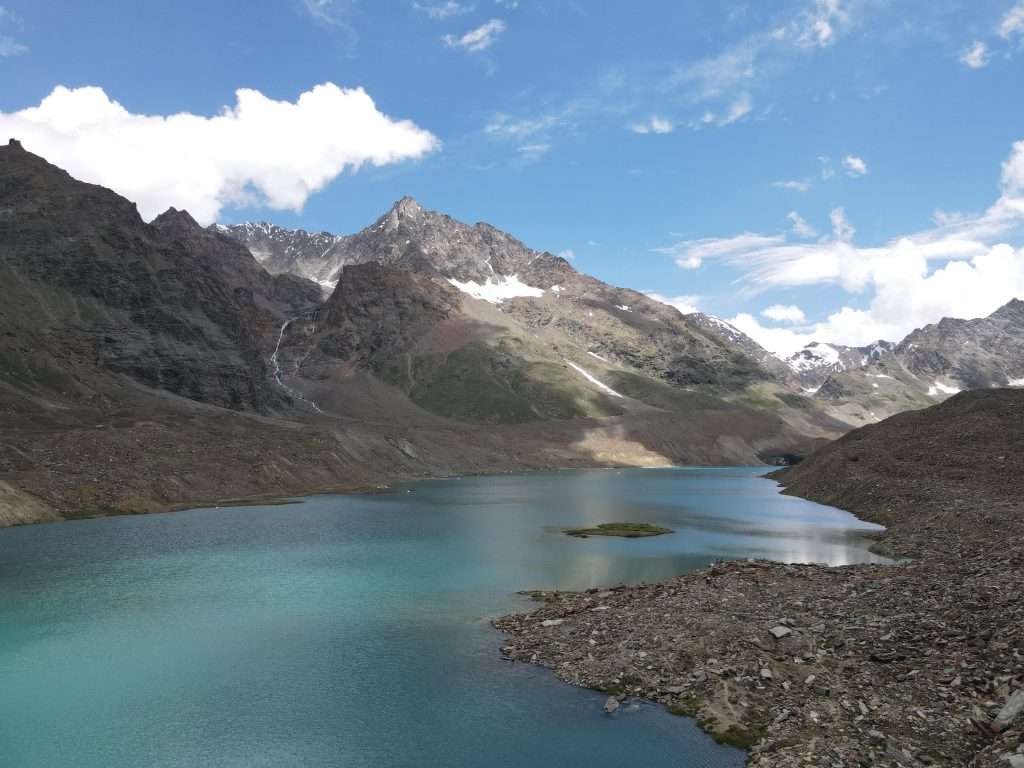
315, 256
970, 354
166, 304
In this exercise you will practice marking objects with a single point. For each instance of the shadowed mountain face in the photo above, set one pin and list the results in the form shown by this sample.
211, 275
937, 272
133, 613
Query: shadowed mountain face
87, 286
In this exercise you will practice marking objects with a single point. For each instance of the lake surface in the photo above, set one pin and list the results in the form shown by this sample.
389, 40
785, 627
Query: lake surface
353, 630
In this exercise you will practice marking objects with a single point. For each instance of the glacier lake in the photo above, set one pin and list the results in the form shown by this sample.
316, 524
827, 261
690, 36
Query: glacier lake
354, 630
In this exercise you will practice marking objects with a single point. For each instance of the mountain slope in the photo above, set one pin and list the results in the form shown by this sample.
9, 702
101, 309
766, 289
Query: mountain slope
90, 287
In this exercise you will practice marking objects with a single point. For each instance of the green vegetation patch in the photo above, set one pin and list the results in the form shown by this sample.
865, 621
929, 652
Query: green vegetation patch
660, 394
623, 530
502, 383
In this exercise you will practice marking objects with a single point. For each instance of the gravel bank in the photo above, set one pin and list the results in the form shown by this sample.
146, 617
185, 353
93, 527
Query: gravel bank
920, 663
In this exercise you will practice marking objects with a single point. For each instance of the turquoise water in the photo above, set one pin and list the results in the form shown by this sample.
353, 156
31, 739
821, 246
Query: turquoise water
353, 630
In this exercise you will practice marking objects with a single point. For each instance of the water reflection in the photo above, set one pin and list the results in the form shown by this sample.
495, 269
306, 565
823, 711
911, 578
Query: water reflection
516, 522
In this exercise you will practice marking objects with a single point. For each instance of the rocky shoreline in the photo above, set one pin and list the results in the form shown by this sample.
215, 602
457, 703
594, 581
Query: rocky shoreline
911, 664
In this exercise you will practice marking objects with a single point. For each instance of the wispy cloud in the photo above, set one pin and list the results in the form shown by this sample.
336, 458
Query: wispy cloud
976, 56
800, 226
533, 152
855, 166
506, 126
441, 11
653, 125
9, 45
797, 185
721, 89
479, 39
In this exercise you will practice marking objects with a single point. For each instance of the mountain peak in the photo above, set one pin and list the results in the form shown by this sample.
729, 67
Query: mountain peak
407, 206
172, 218
15, 144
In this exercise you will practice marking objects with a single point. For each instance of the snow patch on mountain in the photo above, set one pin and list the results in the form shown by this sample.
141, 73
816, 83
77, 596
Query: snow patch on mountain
816, 355
942, 389
496, 290
593, 380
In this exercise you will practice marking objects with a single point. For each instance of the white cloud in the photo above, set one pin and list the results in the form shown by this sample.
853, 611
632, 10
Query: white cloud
568, 254
444, 10
1013, 22
793, 184
907, 296
817, 27
827, 171
963, 267
654, 125
800, 226
260, 151
855, 166
479, 39
784, 313
975, 56
690, 254
685, 304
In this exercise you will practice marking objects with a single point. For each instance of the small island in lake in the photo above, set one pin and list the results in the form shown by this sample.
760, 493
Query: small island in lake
624, 530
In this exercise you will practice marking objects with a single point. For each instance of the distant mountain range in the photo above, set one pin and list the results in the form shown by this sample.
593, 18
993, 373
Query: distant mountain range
147, 365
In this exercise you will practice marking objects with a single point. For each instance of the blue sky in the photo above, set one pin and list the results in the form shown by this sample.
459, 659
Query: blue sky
848, 166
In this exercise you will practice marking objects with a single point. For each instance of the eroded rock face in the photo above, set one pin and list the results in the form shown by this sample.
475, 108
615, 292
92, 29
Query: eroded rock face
981, 353
378, 312
166, 304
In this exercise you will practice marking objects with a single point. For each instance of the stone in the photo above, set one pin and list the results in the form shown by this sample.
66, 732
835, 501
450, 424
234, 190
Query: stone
779, 632
611, 704
1013, 707
551, 622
